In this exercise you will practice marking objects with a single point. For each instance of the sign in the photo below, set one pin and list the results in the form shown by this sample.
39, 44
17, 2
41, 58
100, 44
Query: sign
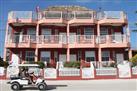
1, 71
50, 73
124, 70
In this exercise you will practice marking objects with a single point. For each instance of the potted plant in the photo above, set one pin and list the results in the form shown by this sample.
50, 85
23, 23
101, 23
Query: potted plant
72, 64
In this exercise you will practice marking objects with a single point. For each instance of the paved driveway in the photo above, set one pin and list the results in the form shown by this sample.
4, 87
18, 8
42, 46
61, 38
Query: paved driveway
84, 85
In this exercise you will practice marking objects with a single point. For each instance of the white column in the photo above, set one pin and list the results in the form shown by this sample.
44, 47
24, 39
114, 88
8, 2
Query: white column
5, 49
36, 54
36, 50
99, 49
130, 53
68, 50
68, 54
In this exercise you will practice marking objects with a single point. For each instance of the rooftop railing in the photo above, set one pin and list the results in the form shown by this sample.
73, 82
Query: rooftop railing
66, 15
22, 15
111, 15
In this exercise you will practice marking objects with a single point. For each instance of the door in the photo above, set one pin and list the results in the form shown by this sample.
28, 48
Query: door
16, 38
117, 37
119, 58
63, 38
15, 59
103, 35
62, 57
45, 56
72, 38
73, 57
47, 34
32, 33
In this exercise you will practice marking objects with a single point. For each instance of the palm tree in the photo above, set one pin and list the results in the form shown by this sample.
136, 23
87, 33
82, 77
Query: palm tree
1, 59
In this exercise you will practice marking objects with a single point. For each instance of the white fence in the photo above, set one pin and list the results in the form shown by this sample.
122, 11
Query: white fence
69, 72
134, 70
106, 71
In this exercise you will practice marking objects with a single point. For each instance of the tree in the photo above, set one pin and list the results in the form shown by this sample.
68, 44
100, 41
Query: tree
1, 59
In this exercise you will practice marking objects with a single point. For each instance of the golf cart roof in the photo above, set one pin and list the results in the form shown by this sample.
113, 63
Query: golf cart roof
26, 65
32, 65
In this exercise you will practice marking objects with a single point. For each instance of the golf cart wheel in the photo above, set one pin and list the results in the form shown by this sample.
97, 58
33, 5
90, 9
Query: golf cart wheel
15, 86
42, 86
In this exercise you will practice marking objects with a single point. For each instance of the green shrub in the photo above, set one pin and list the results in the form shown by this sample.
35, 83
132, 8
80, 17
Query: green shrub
72, 64
41, 64
134, 60
4, 64
113, 65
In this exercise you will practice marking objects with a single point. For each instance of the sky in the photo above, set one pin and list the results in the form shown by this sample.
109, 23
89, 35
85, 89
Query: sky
128, 6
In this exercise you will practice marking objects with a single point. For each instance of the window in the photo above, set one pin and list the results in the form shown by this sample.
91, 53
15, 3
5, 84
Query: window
88, 32
30, 56
105, 55
104, 31
45, 56
89, 56
32, 33
46, 32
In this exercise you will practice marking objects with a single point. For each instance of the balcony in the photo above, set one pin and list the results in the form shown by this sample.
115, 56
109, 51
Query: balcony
113, 40
22, 17
105, 17
84, 17
60, 41
21, 41
108, 17
51, 16
51, 41
81, 41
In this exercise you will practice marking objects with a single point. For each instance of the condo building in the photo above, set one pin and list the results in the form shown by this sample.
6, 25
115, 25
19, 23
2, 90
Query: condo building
66, 34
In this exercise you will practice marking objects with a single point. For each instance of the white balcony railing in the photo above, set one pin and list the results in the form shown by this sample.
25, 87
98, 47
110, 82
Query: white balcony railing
85, 39
113, 39
62, 39
18, 38
21, 39
67, 15
46, 39
52, 14
111, 15
22, 15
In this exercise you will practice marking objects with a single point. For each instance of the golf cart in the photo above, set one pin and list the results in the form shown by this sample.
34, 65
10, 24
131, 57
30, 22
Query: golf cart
18, 82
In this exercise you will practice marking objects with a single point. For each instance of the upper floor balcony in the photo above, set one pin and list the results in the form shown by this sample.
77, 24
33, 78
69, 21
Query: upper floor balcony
62, 41
68, 16
20, 41
112, 17
53, 17
113, 41
18, 17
